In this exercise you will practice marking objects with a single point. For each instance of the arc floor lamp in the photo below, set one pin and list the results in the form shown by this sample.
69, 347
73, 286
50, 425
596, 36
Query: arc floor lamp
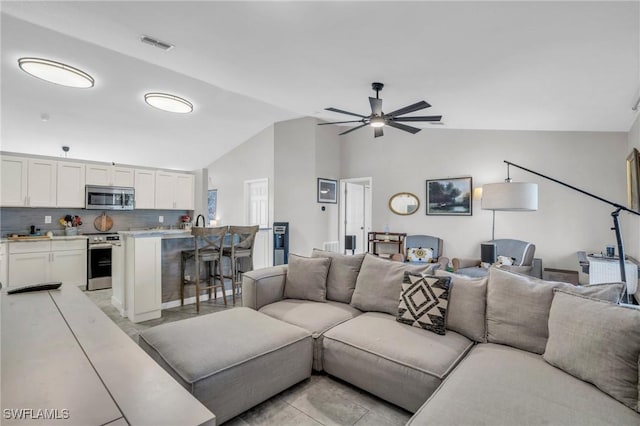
614, 214
509, 196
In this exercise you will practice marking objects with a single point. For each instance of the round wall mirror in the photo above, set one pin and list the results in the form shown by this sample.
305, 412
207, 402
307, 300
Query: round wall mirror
404, 203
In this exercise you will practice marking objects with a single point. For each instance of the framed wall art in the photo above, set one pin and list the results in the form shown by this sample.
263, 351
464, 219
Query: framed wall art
327, 191
449, 197
633, 180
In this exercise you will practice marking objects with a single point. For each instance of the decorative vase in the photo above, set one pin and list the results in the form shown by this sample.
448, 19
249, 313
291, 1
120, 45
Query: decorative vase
70, 231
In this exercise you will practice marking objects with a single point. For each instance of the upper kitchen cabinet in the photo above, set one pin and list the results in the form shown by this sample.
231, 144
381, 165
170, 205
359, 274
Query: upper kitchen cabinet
70, 185
28, 182
42, 183
14, 182
108, 175
145, 186
174, 191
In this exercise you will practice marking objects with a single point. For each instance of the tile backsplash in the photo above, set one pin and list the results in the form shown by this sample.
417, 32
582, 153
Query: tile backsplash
19, 219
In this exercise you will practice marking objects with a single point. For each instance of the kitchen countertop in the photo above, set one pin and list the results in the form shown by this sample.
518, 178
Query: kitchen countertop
44, 238
157, 233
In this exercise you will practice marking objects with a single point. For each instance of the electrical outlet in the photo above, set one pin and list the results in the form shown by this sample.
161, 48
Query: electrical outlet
161, 219
47, 219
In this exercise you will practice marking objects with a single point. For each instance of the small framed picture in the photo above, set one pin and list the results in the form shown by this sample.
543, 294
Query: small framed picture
449, 197
327, 191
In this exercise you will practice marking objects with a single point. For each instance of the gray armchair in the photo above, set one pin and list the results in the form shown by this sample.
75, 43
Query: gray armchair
427, 241
521, 253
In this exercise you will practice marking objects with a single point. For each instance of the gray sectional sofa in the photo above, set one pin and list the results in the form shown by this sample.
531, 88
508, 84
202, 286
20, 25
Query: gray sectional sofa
512, 349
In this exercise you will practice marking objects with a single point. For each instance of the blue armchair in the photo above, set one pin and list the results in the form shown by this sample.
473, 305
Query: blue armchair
520, 252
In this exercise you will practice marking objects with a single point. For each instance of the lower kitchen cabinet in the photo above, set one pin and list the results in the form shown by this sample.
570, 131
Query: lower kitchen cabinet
32, 262
143, 278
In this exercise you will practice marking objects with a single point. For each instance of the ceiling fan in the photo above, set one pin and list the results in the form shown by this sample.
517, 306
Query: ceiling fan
378, 119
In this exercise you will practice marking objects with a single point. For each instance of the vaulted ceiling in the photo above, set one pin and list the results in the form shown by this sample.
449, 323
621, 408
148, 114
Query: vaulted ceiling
569, 66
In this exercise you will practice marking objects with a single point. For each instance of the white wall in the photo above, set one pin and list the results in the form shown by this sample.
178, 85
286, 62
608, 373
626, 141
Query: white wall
631, 224
565, 222
251, 160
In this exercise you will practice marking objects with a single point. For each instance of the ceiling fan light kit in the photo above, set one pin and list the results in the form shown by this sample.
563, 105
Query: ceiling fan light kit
378, 119
56, 72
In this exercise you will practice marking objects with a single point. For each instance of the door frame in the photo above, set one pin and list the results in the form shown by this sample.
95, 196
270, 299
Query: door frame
368, 209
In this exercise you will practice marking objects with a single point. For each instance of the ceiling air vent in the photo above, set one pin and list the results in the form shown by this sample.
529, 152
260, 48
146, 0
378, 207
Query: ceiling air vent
156, 43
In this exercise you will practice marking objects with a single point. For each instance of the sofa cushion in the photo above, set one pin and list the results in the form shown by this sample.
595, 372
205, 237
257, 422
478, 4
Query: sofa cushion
307, 278
467, 305
423, 302
380, 281
499, 385
343, 273
518, 307
598, 342
315, 317
398, 363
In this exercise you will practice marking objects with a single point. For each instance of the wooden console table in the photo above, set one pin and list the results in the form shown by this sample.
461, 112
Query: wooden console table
378, 240
65, 362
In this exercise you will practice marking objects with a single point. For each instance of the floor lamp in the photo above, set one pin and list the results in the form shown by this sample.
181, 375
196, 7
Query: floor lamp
509, 196
614, 215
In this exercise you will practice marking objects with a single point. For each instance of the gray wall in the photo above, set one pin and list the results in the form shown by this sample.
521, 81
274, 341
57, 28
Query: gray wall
297, 152
631, 228
251, 160
305, 152
565, 222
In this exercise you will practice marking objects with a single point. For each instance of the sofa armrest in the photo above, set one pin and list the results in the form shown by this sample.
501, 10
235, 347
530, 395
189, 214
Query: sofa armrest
263, 286
459, 263
444, 263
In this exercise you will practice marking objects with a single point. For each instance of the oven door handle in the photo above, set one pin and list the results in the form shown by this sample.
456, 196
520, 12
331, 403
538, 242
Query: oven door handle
100, 246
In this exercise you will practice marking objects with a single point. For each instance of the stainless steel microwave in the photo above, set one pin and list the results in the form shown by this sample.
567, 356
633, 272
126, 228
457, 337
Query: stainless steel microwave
109, 197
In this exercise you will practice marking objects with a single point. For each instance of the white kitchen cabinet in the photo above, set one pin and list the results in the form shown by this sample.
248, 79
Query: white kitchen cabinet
70, 184
28, 182
4, 264
109, 175
143, 278
14, 181
145, 186
32, 262
42, 183
174, 191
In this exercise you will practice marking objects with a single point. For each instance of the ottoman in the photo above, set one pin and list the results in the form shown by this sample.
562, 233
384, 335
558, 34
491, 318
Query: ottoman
231, 360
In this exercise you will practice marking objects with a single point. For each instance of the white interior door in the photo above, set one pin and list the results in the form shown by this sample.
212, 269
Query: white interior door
256, 194
355, 212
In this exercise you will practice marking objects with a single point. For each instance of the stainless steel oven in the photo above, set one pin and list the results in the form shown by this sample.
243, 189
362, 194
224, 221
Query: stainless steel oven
99, 260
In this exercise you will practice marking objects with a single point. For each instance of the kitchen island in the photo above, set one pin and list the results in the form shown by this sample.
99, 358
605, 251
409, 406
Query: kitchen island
146, 271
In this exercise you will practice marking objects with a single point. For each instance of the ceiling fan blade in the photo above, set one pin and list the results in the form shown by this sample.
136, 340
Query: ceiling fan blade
377, 132
376, 105
406, 110
412, 130
345, 112
354, 128
340, 122
420, 118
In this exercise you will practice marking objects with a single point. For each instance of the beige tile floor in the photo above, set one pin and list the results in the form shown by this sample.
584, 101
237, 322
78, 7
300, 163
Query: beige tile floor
319, 400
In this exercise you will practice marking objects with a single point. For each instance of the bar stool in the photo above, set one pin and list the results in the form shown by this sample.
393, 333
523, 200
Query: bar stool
240, 253
208, 250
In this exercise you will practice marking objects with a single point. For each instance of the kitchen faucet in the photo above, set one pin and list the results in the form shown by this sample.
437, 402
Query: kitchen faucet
198, 220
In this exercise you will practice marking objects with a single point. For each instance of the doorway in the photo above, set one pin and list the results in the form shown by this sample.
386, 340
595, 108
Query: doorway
355, 212
256, 202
